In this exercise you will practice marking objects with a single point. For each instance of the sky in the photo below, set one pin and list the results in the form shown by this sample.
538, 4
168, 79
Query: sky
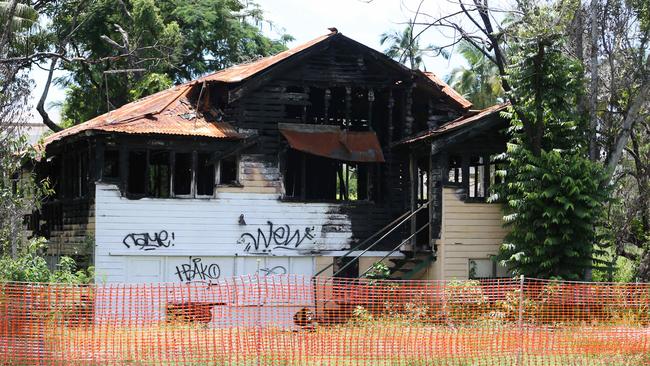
362, 20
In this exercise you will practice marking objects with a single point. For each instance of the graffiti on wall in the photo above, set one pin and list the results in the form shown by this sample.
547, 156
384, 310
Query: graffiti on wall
147, 241
273, 236
196, 270
273, 271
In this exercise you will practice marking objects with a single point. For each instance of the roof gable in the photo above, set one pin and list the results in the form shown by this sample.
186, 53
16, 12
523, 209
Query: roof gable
171, 111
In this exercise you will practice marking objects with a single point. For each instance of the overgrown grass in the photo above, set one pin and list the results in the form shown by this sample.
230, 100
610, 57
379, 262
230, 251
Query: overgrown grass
360, 343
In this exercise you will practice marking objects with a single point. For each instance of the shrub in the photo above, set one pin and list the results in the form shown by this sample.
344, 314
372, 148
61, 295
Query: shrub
30, 266
465, 301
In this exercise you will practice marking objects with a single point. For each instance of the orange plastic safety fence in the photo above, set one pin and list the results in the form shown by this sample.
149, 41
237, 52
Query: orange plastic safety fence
294, 320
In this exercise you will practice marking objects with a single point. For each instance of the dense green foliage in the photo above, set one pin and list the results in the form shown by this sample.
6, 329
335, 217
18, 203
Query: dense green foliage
160, 42
30, 266
555, 200
554, 195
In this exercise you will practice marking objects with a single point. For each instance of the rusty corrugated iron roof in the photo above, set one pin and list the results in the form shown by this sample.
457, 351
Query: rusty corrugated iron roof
167, 112
244, 71
332, 142
448, 90
455, 124
240, 72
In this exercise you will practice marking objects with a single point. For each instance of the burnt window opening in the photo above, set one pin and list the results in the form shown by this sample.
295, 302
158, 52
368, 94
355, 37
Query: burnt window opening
295, 107
347, 182
316, 106
73, 182
314, 178
455, 170
183, 174
423, 185
53, 170
159, 173
204, 175
337, 106
294, 112
111, 168
166, 174
137, 173
477, 178
359, 110
228, 168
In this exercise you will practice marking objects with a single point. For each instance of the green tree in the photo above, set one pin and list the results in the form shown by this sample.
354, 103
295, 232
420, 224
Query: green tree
115, 52
480, 81
16, 16
404, 47
554, 195
553, 201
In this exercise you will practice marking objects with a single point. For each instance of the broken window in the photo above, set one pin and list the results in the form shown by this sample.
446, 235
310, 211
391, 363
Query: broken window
228, 170
137, 172
183, 174
159, 174
296, 103
74, 179
311, 177
347, 182
164, 174
316, 106
455, 173
423, 185
204, 175
111, 164
477, 177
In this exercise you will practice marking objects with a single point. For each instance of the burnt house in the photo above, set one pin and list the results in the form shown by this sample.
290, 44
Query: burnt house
322, 159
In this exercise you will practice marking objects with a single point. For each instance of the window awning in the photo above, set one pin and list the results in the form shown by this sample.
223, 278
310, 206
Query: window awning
332, 142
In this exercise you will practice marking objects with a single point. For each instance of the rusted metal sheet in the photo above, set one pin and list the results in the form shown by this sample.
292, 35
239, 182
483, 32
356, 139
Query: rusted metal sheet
243, 71
466, 120
332, 142
168, 112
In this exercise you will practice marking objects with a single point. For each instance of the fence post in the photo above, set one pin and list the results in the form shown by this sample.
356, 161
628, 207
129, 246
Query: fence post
259, 313
520, 351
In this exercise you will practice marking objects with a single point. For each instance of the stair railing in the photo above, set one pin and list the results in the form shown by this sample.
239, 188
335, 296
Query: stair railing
396, 248
390, 227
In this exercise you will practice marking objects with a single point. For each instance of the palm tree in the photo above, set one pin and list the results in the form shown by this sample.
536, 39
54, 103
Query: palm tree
403, 47
15, 17
480, 81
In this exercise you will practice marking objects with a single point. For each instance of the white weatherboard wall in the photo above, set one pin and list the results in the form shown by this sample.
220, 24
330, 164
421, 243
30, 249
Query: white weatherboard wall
185, 240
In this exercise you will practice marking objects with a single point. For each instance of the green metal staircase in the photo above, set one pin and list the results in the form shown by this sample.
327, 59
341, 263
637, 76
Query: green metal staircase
410, 265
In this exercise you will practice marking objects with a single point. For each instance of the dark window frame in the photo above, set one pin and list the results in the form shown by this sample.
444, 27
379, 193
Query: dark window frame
218, 175
465, 170
197, 178
171, 176
298, 187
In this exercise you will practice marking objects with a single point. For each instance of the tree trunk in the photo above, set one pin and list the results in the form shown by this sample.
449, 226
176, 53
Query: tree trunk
593, 99
644, 267
40, 107
632, 116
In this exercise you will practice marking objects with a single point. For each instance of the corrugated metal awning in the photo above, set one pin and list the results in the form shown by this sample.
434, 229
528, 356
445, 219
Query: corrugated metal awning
332, 142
